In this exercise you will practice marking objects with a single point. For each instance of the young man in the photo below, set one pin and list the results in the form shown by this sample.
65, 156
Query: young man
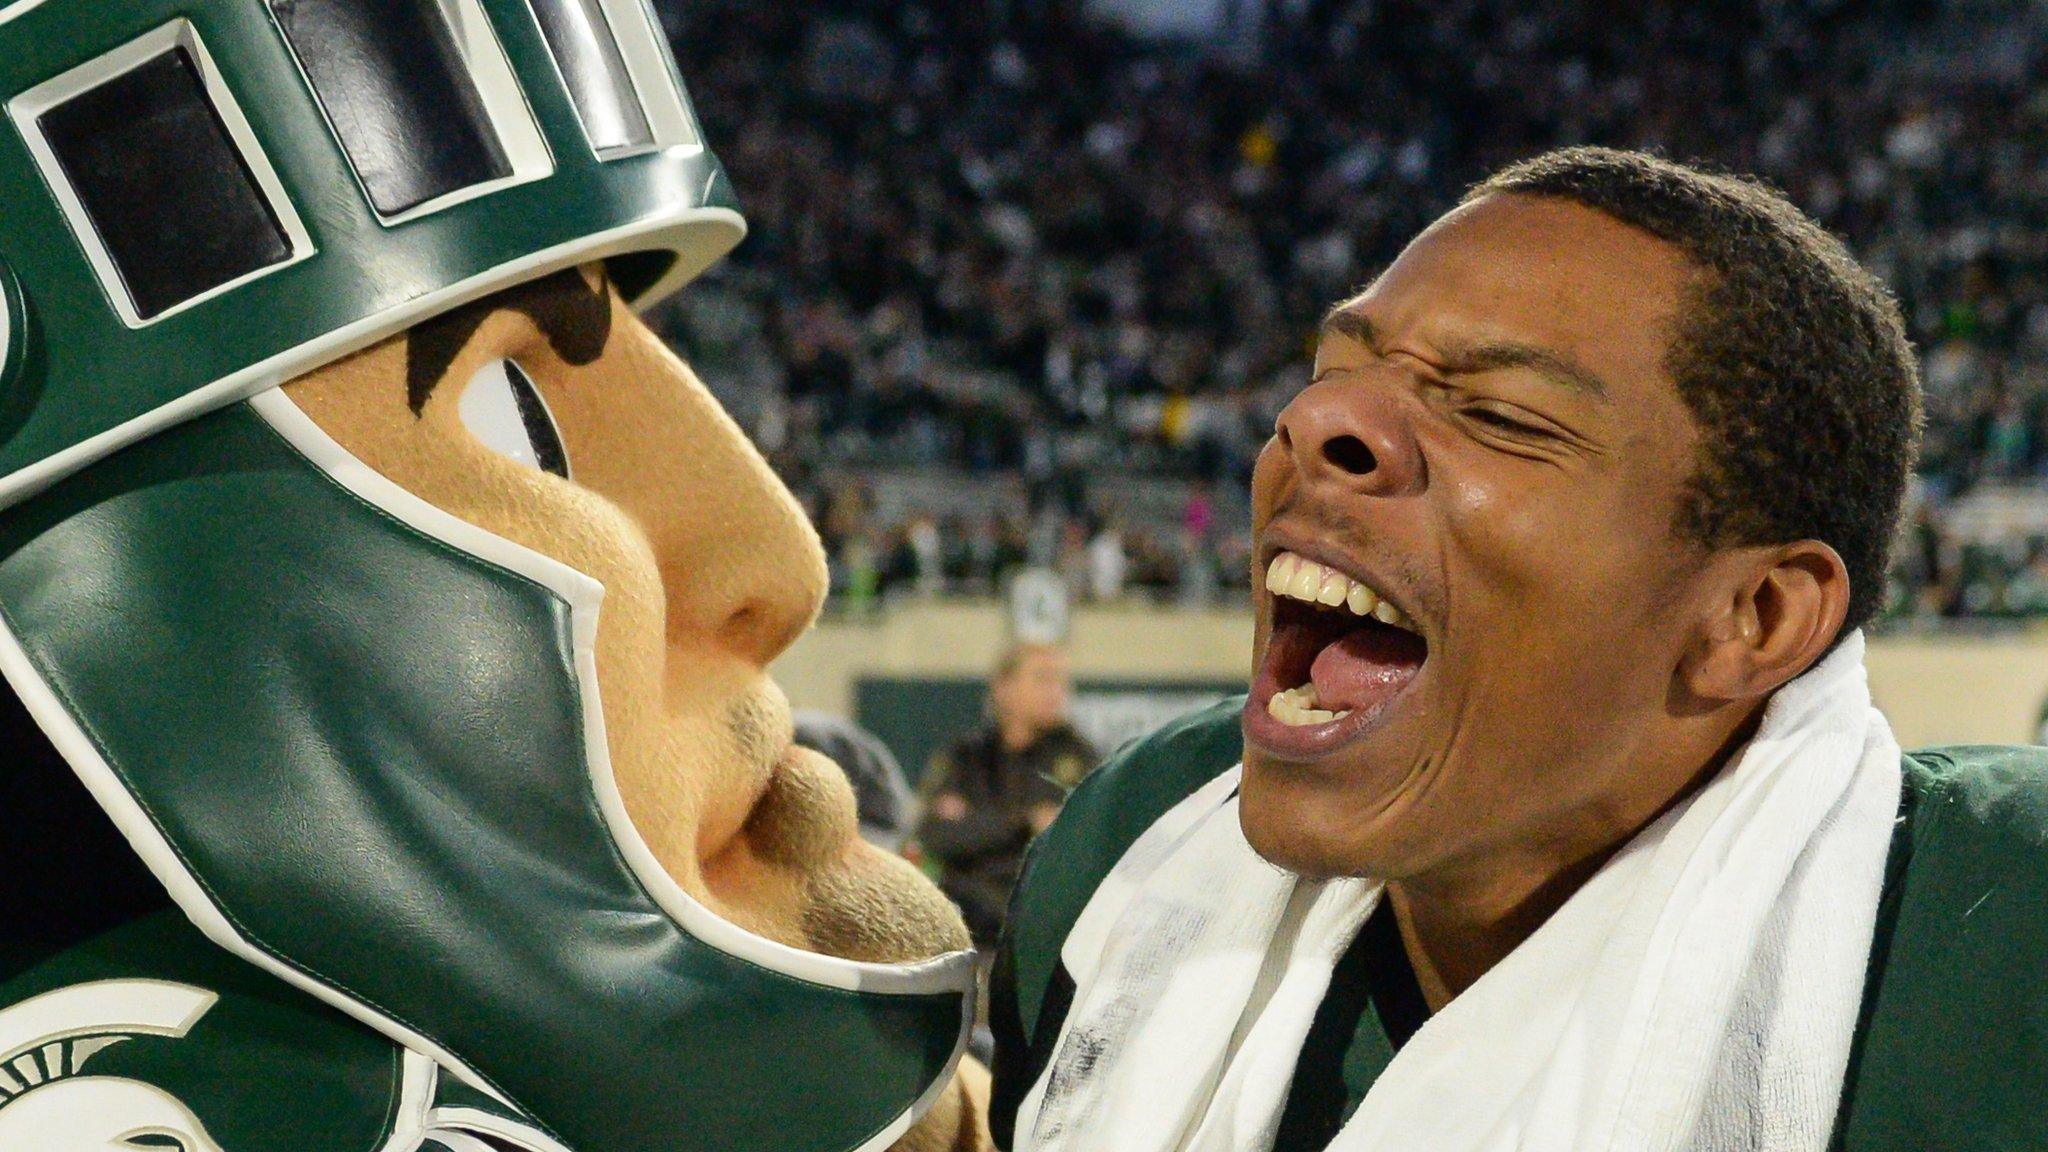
1588, 834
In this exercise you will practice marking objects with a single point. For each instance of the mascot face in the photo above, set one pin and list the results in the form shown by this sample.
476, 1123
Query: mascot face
323, 400
603, 451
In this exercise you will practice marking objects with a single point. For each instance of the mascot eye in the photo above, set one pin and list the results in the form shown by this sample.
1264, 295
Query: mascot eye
502, 408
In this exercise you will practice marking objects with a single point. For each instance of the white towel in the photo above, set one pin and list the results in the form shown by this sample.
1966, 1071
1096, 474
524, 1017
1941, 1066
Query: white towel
1698, 994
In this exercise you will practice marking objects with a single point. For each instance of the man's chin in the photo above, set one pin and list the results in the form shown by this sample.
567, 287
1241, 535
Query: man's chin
1306, 822
1279, 823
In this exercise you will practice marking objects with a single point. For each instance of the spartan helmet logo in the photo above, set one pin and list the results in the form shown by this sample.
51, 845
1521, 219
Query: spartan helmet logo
102, 1114
48, 1104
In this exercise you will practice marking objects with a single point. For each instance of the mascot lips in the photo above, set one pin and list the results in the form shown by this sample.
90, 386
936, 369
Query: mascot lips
1338, 651
794, 867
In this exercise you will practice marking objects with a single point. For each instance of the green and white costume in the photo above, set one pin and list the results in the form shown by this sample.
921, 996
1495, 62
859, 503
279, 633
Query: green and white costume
1703, 1031
295, 689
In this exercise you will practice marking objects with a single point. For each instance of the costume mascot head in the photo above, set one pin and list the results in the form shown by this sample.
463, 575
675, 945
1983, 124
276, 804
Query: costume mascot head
393, 763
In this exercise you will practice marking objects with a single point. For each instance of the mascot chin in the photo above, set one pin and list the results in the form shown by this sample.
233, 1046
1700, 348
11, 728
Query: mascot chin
389, 761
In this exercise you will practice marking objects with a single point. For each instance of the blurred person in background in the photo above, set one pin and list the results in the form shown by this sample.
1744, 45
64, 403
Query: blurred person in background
990, 792
1109, 566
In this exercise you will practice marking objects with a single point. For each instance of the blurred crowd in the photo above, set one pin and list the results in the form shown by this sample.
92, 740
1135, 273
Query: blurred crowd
1075, 276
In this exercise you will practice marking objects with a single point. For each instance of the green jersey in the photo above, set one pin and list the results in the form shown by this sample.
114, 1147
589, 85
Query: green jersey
1951, 1049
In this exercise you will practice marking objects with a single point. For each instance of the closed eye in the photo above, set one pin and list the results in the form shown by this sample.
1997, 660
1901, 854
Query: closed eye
501, 407
1500, 422
1535, 438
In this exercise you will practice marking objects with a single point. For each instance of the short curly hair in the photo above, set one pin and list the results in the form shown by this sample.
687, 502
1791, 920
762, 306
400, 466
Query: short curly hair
1791, 356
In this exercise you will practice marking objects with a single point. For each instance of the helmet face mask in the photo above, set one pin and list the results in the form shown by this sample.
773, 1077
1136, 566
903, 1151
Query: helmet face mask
326, 655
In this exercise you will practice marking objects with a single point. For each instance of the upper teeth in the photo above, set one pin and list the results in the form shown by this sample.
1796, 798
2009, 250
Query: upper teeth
1300, 578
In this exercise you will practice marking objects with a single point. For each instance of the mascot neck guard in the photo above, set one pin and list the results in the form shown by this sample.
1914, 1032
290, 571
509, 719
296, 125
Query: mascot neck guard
355, 737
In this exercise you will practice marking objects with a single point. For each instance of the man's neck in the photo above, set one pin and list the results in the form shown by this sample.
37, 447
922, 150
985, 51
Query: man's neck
1453, 936
1458, 921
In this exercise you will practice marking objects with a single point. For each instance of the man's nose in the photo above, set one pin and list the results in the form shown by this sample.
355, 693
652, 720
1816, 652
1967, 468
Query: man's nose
1354, 436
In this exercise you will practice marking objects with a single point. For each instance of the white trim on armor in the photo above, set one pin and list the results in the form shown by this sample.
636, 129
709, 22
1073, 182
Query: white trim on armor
473, 1120
681, 272
18, 9
672, 232
26, 108
506, 111
7, 290
412, 1118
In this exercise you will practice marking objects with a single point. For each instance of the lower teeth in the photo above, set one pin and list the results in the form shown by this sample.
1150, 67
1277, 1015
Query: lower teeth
1297, 708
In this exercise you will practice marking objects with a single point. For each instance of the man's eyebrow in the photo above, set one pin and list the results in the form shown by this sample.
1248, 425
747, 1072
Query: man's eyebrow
1495, 355
1341, 321
1479, 356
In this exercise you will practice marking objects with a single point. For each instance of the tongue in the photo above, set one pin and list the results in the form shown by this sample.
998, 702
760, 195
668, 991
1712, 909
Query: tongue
1362, 668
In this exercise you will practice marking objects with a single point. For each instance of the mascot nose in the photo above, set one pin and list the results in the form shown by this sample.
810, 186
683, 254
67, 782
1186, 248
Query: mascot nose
760, 626
745, 567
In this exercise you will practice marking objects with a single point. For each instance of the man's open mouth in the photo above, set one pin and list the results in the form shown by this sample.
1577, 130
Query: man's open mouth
1338, 649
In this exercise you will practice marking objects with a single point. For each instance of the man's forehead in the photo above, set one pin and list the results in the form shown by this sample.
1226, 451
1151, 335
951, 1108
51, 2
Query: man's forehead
1514, 272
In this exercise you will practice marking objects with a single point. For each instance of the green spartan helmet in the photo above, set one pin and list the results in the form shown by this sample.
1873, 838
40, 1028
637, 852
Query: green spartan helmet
262, 660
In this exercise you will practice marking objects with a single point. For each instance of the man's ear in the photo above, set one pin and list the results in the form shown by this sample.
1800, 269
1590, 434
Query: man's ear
1774, 617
